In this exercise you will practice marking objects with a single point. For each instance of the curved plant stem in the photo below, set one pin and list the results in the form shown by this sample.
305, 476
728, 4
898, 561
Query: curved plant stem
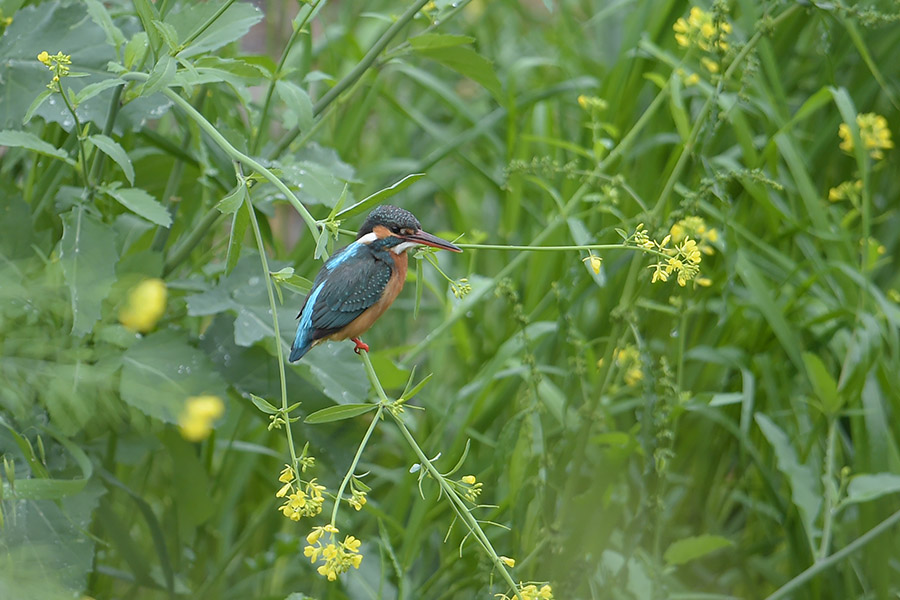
359, 451
827, 563
261, 248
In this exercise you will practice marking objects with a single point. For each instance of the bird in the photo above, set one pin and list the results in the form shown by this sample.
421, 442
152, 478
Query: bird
360, 281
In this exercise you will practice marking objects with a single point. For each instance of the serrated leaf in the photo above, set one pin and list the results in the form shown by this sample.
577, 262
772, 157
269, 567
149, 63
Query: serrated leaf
865, 487
339, 413
112, 149
263, 404
299, 107
230, 203
167, 33
100, 16
88, 255
380, 195
230, 26
141, 203
468, 63
136, 49
692, 548
29, 141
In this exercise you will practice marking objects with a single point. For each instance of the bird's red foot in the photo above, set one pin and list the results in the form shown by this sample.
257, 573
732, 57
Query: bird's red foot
360, 345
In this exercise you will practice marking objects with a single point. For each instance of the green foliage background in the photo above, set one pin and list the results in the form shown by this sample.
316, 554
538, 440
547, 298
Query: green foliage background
752, 435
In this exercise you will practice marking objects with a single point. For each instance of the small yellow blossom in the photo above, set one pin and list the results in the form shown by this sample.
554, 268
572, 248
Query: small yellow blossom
592, 103
336, 558
628, 359
44, 57
594, 262
530, 592
472, 488
702, 30
703, 281
198, 415
58, 63
287, 474
357, 499
848, 190
470, 479
710, 65
696, 228
509, 562
145, 305
873, 131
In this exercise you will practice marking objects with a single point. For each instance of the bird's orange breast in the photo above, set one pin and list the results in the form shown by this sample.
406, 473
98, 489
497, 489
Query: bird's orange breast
362, 323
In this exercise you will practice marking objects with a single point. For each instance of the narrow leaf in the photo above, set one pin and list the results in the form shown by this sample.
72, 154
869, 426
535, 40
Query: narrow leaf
239, 224
380, 195
112, 149
161, 75
431, 41
691, 548
339, 413
230, 203
823, 383
468, 63
36, 104
29, 141
263, 404
141, 203
865, 487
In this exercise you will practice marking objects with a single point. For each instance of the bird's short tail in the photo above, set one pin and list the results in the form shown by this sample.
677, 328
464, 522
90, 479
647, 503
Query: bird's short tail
301, 345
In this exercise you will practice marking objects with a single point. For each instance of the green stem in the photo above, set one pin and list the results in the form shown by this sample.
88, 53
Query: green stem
830, 500
461, 509
99, 157
359, 451
233, 152
85, 175
261, 248
199, 31
358, 70
264, 116
180, 254
826, 563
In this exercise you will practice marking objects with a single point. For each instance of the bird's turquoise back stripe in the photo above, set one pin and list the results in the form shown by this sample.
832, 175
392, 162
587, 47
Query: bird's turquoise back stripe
347, 254
304, 329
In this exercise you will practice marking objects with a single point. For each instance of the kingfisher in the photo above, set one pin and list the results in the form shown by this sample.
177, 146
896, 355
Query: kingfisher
360, 281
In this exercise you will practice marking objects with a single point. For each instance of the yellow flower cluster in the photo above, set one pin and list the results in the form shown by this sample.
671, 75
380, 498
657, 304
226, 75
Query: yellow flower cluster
695, 227
530, 592
144, 306
591, 102
628, 359
700, 29
357, 499
461, 287
848, 190
683, 260
471, 488
873, 131
594, 261
336, 558
58, 63
197, 418
300, 503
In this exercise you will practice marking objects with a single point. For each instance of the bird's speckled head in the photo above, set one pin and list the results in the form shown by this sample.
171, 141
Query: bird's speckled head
393, 218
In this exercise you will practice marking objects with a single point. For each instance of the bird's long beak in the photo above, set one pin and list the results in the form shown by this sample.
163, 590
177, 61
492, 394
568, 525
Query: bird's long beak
427, 239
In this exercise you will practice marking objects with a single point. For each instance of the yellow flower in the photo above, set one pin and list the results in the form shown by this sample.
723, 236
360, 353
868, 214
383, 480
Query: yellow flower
314, 535
509, 562
284, 490
351, 543
701, 29
469, 479
873, 131
311, 552
336, 558
628, 359
198, 415
710, 65
145, 305
582, 101
44, 57
595, 262
848, 190
287, 474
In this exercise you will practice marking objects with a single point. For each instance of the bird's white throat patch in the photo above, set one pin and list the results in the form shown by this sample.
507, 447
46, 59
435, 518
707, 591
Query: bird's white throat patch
368, 238
400, 248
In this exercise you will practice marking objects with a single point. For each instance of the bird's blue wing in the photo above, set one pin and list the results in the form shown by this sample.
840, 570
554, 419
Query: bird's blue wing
351, 281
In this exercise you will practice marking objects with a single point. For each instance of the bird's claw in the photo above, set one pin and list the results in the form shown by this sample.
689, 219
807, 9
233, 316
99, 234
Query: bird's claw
360, 345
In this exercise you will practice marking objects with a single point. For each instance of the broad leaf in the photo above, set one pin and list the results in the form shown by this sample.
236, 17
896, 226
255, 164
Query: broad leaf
865, 487
116, 152
141, 203
87, 253
299, 107
692, 548
29, 141
467, 62
230, 26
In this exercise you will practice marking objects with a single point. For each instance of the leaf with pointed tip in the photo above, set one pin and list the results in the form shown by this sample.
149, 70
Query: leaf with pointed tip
141, 203
692, 548
263, 404
339, 413
380, 195
29, 141
112, 149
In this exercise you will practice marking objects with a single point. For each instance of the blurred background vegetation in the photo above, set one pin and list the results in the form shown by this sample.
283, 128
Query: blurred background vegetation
732, 437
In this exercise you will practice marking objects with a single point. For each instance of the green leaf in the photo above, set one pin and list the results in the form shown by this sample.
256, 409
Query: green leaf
805, 492
263, 404
91, 90
239, 224
161, 76
339, 413
380, 195
29, 141
823, 383
136, 49
231, 25
299, 107
167, 33
87, 253
865, 487
148, 13
468, 63
162, 370
100, 16
432, 41
692, 548
141, 203
38, 101
230, 203
116, 152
